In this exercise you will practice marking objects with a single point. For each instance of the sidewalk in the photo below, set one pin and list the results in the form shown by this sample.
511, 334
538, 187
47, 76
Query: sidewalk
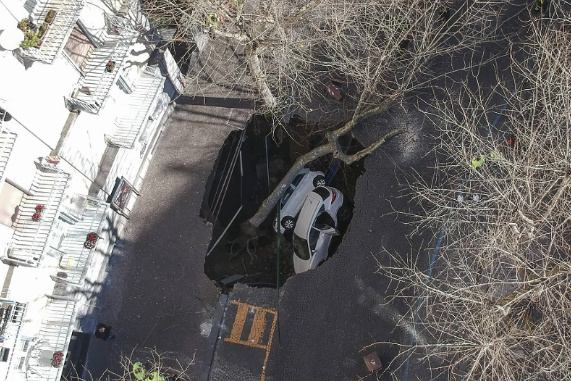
155, 294
114, 229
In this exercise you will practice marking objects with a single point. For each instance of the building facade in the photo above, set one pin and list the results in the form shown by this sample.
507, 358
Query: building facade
81, 109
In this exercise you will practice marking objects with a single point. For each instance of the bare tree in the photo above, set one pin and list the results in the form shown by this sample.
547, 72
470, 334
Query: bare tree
287, 52
287, 49
496, 300
147, 364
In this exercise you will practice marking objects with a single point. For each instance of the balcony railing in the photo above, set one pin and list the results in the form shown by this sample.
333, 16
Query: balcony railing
74, 255
7, 140
136, 112
55, 333
2, 113
103, 67
94, 87
12, 317
58, 31
31, 236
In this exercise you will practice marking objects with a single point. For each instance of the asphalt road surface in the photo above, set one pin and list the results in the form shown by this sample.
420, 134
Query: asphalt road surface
157, 296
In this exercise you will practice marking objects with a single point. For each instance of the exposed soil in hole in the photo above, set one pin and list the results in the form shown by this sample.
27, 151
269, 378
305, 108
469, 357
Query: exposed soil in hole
238, 185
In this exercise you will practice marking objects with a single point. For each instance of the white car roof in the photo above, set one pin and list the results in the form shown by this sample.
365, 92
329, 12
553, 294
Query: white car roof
305, 219
295, 202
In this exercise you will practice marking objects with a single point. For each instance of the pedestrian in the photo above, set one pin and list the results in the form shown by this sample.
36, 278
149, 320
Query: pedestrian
103, 332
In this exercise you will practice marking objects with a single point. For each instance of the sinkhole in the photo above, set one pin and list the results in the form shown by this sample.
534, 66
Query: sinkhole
249, 165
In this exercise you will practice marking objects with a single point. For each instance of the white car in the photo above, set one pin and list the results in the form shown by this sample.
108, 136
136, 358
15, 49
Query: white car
290, 204
316, 225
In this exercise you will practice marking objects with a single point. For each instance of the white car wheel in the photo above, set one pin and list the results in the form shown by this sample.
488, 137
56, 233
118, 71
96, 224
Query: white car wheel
319, 181
288, 223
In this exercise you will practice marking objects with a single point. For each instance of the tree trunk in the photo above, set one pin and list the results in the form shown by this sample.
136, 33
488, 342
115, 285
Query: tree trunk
250, 226
260, 78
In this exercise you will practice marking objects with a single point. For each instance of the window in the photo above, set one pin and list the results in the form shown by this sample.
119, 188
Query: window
79, 47
18, 315
26, 345
324, 221
323, 192
6, 310
300, 247
4, 354
290, 189
297, 180
286, 196
313, 238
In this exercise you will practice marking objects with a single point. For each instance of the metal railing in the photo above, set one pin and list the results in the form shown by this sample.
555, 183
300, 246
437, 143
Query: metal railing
7, 140
58, 31
137, 110
54, 335
98, 80
75, 256
31, 236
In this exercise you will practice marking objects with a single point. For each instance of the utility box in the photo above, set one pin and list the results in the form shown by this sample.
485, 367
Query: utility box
372, 361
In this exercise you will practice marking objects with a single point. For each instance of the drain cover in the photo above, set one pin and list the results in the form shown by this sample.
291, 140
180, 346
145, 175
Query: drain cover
372, 361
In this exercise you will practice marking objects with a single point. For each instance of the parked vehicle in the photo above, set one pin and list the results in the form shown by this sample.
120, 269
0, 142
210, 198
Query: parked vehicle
290, 204
317, 224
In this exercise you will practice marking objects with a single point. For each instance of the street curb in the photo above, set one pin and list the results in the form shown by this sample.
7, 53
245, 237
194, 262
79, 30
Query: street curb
214, 335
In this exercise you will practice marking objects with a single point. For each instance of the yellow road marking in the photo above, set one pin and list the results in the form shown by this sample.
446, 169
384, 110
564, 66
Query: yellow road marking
256, 331
239, 322
258, 327
274, 321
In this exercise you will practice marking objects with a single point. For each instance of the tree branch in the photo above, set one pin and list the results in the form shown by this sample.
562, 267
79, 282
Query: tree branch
350, 159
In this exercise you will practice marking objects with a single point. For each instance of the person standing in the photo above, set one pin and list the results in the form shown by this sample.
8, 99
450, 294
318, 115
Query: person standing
103, 332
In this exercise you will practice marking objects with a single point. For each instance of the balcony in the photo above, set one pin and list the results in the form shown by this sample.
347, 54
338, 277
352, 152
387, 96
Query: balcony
54, 335
57, 31
11, 318
7, 140
31, 234
102, 69
94, 87
137, 110
75, 256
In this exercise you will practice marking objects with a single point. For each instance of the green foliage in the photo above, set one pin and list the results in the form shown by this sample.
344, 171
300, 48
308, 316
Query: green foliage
42, 30
24, 25
212, 20
50, 16
32, 35
30, 39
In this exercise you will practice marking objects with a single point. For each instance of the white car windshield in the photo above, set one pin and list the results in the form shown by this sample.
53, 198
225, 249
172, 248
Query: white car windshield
290, 189
300, 247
